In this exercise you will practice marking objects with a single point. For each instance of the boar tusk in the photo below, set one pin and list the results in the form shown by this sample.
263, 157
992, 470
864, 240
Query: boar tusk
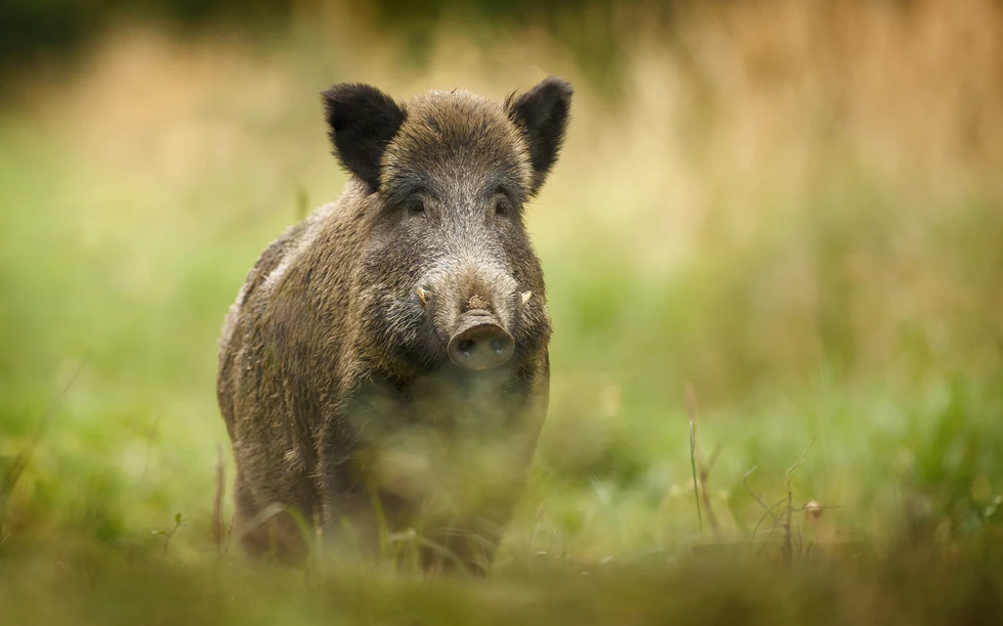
421, 296
526, 295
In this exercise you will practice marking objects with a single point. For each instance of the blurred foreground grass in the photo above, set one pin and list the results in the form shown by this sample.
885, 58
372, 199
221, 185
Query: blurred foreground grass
794, 207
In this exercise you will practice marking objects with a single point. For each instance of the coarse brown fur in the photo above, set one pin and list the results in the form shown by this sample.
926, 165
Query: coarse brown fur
338, 392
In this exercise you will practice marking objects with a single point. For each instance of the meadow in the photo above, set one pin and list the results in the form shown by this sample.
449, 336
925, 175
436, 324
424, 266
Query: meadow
782, 232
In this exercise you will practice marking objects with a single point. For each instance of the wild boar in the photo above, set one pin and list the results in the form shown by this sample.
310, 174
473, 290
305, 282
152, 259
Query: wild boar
385, 366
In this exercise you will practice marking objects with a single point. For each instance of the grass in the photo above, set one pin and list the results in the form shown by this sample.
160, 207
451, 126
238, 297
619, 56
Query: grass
757, 221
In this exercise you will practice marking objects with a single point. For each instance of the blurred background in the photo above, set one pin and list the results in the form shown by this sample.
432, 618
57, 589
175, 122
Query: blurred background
792, 207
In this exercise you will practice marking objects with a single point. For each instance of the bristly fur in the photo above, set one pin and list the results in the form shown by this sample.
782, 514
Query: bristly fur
333, 371
542, 113
361, 121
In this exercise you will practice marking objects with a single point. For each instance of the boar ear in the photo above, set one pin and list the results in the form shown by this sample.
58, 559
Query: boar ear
542, 115
361, 121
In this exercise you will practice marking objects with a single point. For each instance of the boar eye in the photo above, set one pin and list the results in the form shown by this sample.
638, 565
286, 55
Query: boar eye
503, 207
415, 207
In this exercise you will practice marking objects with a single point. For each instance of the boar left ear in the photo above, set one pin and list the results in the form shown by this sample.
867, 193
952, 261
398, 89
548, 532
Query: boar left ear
542, 115
361, 121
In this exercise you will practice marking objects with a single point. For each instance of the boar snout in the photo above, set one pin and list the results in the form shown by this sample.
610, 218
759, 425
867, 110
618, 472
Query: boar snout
480, 342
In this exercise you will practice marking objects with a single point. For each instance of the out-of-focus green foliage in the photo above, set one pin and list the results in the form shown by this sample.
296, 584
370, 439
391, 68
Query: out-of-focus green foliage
592, 29
915, 587
31, 27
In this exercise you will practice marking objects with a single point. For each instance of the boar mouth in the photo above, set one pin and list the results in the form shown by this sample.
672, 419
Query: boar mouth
480, 342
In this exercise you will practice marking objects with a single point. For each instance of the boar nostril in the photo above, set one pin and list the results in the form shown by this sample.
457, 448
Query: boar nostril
480, 343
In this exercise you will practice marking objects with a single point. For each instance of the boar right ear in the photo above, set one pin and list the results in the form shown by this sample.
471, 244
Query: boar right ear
542, 115
361, 121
